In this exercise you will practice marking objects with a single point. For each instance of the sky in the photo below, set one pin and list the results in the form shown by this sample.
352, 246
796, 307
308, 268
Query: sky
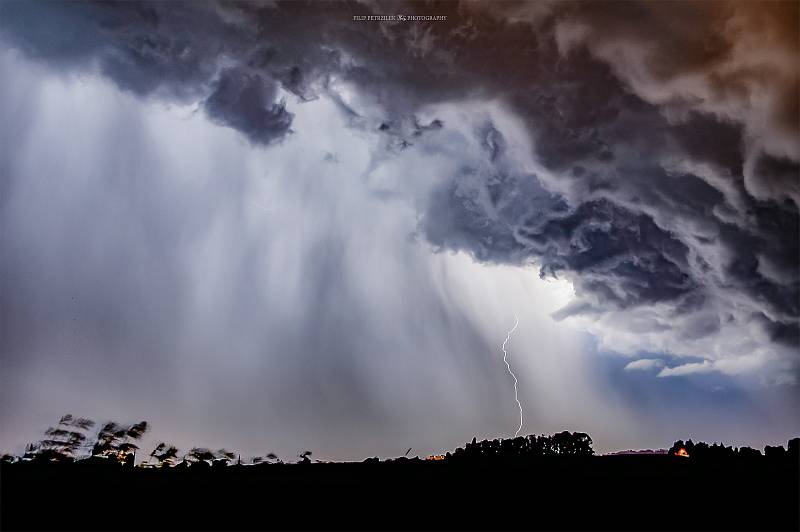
274, 227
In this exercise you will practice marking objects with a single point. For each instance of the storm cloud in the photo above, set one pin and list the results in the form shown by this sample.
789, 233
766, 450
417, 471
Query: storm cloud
645, 152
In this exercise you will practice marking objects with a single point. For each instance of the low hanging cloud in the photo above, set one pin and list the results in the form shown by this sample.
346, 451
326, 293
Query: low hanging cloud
247, 103
662, 178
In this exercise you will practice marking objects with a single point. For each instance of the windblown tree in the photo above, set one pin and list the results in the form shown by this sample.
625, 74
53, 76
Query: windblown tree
272, 458
164, 454
223, 457
304, 457
202, 456
267, 459
199, 456
62, 442
115, 441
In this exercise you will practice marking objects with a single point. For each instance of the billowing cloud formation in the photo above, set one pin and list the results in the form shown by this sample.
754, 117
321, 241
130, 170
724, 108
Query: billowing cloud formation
735, 61
662, 178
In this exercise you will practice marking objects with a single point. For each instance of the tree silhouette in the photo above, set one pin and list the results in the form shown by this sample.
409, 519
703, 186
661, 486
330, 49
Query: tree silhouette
749, 453
165, 454
273, 458
62, 442
222, 457
199, 456
114, 441
562, 444
304, 457
719, 451
793, 448
775, 453
65, 441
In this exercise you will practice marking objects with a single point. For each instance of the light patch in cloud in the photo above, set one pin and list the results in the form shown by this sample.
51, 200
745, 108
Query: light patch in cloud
692, 368
644, 364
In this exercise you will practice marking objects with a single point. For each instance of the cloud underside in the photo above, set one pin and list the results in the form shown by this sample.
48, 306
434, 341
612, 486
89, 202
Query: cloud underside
663, 173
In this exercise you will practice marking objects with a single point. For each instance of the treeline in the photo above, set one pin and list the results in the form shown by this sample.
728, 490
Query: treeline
72, 439
76, 439
702, 451
564, 443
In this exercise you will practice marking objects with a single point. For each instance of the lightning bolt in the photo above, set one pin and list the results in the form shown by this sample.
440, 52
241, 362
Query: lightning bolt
508, 366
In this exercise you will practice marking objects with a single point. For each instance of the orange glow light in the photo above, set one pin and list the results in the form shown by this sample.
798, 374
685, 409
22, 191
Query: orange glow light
682, 452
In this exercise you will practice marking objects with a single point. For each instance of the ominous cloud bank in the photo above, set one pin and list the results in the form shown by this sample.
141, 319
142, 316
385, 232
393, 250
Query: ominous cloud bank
658, 170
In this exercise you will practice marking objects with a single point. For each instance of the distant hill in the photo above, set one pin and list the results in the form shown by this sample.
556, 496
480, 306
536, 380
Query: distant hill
641, 451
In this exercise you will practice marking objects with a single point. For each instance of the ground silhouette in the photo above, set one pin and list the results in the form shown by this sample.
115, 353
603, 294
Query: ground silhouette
67, 482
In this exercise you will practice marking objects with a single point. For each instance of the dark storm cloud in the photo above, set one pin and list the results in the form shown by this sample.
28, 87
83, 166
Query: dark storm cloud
736, 61
246, 102
666, 133
144, 48
685, 196
175, 51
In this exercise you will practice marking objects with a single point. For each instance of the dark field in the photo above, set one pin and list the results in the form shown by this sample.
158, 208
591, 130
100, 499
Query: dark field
611, 492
